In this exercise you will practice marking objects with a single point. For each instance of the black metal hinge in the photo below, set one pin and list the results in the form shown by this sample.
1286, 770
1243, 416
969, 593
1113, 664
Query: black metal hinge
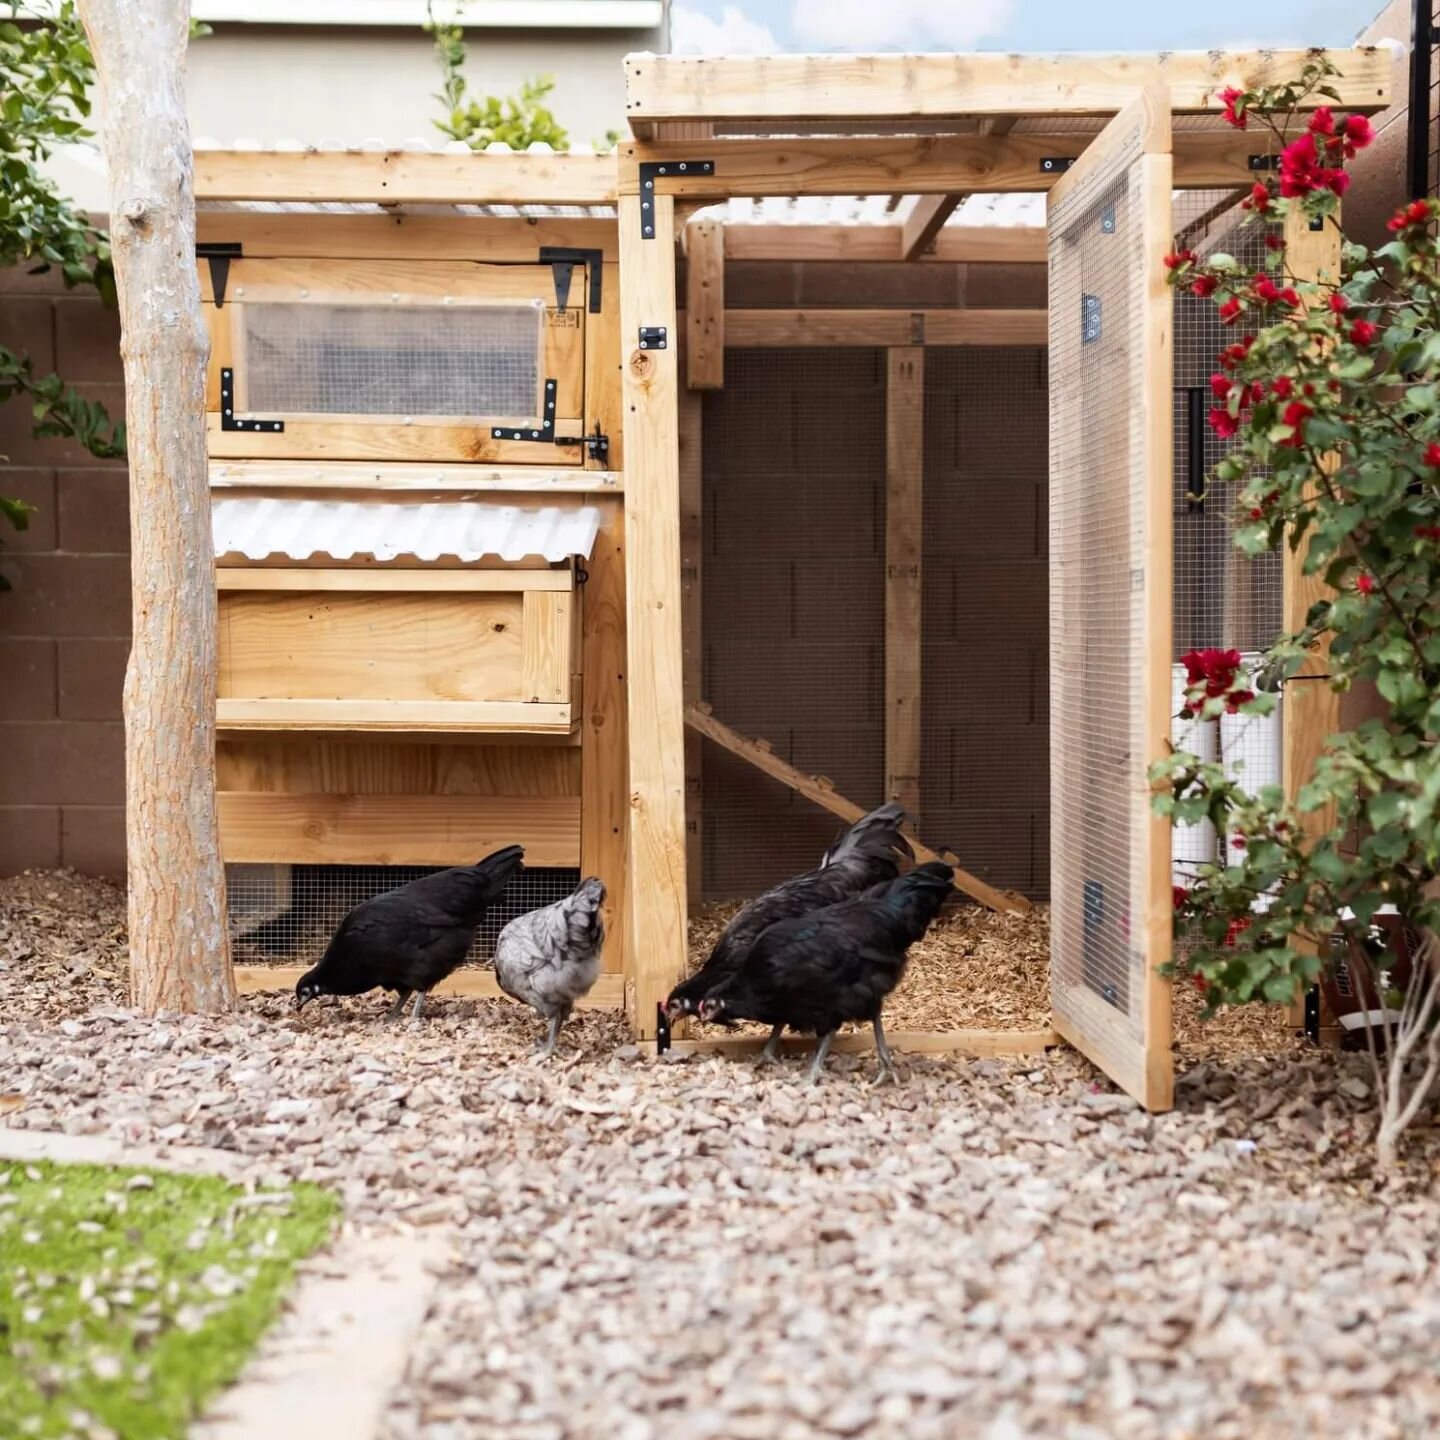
219, 253
1089, 319
1263, 162
652, 170
562, 260
228, 420
1055, 164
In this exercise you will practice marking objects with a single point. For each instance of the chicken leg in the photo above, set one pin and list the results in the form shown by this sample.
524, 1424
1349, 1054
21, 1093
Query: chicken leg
884, 1058
818, 1063
545, 1048
393, 1013
418, 1007
771, 1053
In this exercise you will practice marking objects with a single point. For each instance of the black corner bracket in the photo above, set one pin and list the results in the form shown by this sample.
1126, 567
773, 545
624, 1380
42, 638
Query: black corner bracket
653, 170
228, 420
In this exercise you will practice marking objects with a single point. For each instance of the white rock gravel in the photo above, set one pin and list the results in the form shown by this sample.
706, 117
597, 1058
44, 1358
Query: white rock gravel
694, 1248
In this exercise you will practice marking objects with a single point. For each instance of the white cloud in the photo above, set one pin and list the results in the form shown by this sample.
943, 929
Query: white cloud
694, 33
898, 24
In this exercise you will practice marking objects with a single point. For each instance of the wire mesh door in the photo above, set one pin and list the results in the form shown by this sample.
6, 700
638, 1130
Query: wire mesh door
1110, 598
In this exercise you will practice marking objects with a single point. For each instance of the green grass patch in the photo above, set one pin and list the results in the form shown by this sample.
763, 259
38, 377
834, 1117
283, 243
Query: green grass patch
129, 1297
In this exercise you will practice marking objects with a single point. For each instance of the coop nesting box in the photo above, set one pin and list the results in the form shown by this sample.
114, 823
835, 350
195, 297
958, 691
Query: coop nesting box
374, 615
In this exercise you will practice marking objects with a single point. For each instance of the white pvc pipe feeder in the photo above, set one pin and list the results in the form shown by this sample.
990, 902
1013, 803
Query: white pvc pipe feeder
1250, 744
1191, 845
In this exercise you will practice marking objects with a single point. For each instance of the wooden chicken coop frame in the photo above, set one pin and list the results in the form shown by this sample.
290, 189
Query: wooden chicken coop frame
935, 128
925, 126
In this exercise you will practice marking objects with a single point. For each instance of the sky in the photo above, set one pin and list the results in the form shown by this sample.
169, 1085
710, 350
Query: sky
738, 27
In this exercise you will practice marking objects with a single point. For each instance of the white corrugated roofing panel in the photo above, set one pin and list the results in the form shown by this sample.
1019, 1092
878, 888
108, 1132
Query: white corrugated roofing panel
259, 528
1020, 208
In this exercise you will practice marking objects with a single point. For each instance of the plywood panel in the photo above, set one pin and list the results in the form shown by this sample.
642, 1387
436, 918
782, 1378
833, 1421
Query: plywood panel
396, 829
332, 646
546, 653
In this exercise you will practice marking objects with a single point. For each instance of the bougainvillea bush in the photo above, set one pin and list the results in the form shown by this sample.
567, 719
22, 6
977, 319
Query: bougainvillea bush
1330, 395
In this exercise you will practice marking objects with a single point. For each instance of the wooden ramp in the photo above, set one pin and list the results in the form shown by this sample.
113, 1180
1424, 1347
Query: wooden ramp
821, 791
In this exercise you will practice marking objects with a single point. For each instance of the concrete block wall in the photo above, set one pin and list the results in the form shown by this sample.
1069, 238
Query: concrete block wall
64, 627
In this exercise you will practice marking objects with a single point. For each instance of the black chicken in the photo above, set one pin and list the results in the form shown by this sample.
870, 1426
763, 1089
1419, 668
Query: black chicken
817, 971
408, 940
869, 853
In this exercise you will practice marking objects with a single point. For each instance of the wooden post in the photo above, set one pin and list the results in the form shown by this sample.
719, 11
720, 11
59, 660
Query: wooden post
1311, 709
904, 471
705, 305
691, 561
656, 935
179, 944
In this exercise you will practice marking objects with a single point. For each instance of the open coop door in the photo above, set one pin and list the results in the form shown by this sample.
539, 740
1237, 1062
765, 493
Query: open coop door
1110, 576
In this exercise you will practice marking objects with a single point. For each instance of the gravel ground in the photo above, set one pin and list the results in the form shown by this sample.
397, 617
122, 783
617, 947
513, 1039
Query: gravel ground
696, 1248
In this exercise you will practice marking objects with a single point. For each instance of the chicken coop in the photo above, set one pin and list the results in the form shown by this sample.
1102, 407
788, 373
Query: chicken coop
617, 539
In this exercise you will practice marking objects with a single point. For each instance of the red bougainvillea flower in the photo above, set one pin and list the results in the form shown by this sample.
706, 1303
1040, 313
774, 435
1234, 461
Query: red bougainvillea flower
1295, 414
1302, 173
1215, 671
1224, 424
1365, 584
1232, 355
1358, 132
1199, 982
1362, 332
1179, 896
1238, 843
1427, 532
1412, 216
1338, 303
1231, 96
1274, 242
1177, 258
1322, 121
1204, 286
1239, 925
1259, 199
1266, 290
1230, 310
1432, 453
1220, 386
1282, 387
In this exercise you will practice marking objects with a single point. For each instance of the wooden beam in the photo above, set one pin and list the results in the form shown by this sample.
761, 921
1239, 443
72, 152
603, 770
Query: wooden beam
260, 577
920, 165
926, 219
604, 792
820, 790
691, 571
395, 235
274, 828
1310, 712
904, 477
475, 717
981, 1044
357, 475
952, 245
467, 984
754, 329
667, 88
391, 177
655, 632
705, 305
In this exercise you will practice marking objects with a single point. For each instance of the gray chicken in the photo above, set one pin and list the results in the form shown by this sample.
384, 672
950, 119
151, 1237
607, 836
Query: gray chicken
549, 958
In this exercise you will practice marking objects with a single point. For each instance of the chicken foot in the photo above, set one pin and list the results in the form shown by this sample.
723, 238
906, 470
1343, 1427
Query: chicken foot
771, 1053
393, 1013
818, 1063
545, 1048
884, 1058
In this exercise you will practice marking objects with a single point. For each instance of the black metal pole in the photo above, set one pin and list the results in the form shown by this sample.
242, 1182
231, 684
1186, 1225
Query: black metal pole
1195, 448
1420, 125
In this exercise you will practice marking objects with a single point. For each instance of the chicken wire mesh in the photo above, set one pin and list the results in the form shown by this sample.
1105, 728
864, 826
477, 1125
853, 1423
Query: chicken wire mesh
793, 609
429, 360
1222, 598
1100, 610
286, 914
985, 723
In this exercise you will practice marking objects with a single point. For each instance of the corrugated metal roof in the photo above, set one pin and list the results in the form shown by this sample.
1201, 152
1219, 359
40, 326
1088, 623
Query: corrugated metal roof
259, 528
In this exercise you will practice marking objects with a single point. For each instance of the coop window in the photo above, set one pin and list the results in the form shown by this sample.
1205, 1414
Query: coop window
410, 360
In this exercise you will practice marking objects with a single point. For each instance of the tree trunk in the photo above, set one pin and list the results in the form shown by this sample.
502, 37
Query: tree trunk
179, 949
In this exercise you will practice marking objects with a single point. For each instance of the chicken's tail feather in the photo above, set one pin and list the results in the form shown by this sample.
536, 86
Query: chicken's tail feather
877, 835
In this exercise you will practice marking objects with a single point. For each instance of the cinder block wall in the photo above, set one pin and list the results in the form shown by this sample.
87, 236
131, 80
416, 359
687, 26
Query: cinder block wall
64, 626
